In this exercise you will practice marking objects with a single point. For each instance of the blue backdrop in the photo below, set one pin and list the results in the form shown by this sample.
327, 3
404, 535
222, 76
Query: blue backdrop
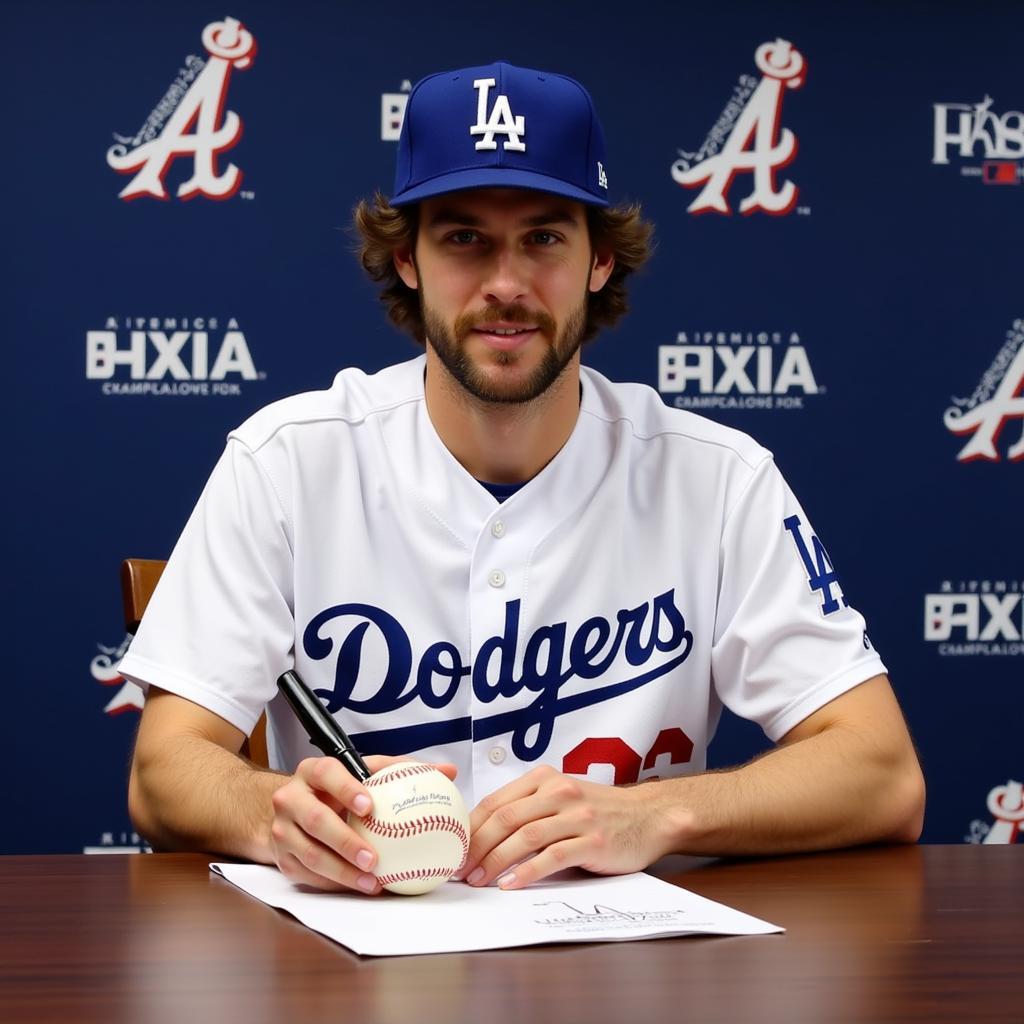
851, 331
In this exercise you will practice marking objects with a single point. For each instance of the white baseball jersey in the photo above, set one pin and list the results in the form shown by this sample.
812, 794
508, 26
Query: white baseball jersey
597, 620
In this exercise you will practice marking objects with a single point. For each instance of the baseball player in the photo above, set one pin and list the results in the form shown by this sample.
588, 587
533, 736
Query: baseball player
495, 559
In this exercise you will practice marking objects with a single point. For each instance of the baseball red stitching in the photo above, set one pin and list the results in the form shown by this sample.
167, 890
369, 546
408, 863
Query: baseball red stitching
430, 823
410, 876
399, 773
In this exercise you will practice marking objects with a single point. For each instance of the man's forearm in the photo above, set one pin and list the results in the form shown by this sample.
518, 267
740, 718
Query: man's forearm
829, 790
195, 795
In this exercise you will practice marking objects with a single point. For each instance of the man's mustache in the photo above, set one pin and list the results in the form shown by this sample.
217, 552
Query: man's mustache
512, 314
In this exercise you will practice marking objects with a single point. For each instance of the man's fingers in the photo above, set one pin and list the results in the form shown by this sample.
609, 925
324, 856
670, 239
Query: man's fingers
514, 832
540, 794
330, 776
519, 788
302, 858
316, 820
314, 843
377, 761
295, 871
447, 768
568, 853
309, 820
493, 830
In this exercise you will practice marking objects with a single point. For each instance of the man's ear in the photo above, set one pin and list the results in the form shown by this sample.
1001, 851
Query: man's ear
405, 264
601, 269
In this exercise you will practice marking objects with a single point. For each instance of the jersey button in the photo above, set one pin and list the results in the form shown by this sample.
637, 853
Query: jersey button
498, 528
496, 755
497, 578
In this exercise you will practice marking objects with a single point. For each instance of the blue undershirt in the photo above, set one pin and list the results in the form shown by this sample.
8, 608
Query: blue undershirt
500, 491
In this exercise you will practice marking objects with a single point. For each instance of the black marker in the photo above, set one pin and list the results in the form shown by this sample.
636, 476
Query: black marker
323, 731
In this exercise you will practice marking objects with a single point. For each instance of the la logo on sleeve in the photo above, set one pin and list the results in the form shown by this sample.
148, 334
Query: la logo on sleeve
821, 575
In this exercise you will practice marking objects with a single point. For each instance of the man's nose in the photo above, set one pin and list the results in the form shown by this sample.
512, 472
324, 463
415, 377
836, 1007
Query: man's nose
506, 278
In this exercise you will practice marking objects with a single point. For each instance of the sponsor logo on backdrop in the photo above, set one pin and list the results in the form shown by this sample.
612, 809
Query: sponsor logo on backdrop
976, 617
190, 122
1006, 806
993, 143
392, 112
737, 370
128, 697
998, 399
104, 670
119, 842
181, 356
746, 139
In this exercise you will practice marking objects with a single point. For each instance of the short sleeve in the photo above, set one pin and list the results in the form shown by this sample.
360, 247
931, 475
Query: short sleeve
219, 628
786, 640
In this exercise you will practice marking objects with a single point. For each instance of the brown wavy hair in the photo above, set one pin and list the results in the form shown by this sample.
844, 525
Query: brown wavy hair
383, 229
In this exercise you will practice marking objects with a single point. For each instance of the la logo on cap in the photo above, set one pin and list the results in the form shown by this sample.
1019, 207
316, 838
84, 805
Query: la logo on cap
450, 143
501, 122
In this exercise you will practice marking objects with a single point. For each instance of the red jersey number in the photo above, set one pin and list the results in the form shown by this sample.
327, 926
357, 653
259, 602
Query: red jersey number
624, 760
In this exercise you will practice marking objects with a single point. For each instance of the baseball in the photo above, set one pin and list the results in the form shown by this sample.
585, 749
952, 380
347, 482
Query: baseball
418, 826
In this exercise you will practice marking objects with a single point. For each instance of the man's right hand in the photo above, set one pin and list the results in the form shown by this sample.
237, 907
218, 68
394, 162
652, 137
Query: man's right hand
189, 790
311, 840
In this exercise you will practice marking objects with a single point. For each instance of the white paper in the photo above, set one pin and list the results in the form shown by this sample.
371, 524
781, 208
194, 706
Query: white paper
456, 917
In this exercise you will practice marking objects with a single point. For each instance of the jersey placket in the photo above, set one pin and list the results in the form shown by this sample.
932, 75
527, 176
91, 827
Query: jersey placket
497, 587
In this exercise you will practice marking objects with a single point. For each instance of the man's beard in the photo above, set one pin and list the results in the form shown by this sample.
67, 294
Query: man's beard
448, 344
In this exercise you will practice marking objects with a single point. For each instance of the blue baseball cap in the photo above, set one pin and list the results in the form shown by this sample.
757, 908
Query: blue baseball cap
499, 126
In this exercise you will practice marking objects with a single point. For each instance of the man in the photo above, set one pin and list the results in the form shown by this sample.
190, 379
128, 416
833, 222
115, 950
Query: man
494, 559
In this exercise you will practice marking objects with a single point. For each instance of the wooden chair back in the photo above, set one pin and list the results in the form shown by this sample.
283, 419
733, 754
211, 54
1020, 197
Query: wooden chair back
139, 577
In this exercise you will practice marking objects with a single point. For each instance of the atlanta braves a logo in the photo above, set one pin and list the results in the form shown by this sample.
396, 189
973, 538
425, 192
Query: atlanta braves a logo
820, 573
187, 122
998, 398
749, 125
552, 661
103, 668
501, 120
1006, 805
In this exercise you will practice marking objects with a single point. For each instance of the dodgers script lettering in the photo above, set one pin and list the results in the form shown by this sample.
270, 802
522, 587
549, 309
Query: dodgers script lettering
551, 659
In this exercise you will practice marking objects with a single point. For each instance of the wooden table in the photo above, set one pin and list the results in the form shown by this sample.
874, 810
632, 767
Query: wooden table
885, 934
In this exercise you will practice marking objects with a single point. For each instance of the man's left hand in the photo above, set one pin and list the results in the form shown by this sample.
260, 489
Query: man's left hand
546, 822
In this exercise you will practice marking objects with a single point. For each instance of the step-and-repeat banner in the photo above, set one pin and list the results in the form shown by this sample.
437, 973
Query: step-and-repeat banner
839, 201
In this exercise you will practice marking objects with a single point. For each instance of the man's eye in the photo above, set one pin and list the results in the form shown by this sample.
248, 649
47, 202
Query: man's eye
544, 238
463, 237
